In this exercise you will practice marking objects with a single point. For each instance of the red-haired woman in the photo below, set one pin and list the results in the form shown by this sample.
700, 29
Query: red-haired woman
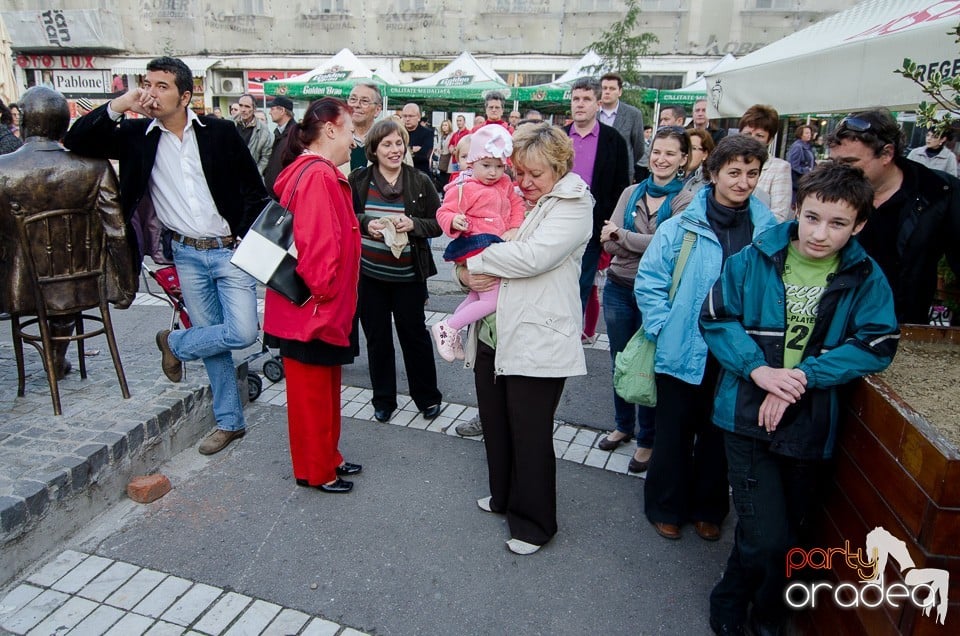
317, 338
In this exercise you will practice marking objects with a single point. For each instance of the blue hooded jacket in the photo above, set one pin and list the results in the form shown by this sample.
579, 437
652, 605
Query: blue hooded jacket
681, 351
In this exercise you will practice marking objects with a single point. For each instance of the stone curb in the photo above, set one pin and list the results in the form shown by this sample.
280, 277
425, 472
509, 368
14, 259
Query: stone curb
48, 503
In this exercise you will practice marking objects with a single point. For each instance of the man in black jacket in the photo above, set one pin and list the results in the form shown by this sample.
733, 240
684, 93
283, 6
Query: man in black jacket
281, 112
917, 217
600, 158
206, 191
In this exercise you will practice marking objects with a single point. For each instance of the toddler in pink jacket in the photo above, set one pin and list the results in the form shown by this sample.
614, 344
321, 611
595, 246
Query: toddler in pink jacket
477, 211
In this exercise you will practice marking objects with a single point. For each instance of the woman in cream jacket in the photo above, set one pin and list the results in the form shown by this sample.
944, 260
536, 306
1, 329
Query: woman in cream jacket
522, 354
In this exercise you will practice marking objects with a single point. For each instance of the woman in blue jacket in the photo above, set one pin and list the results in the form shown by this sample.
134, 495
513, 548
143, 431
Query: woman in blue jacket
686, 480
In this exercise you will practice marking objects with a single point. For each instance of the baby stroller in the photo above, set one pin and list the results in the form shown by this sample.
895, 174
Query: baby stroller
166, 277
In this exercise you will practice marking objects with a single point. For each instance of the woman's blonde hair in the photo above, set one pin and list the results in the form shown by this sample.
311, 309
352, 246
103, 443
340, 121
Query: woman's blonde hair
543, 142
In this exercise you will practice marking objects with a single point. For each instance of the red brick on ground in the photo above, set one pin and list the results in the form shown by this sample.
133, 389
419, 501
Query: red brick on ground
147, 488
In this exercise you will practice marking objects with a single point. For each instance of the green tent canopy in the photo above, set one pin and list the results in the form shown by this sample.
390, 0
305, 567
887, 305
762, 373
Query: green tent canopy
334, 78
463, 81
555, 96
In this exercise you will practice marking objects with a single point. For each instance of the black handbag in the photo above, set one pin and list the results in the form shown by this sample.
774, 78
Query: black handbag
267, 251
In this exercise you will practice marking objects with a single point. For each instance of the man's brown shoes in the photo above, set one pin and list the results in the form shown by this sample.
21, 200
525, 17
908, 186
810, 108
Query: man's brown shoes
667, 530
219, 439
172, 367
707, 531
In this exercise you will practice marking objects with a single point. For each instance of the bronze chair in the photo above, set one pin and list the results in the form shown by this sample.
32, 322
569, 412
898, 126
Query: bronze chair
66, 264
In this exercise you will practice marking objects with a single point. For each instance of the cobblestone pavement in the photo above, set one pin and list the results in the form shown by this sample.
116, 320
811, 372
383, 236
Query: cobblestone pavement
86, 594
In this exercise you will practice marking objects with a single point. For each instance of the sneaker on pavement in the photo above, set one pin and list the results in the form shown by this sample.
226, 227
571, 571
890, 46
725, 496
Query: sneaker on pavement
219, 439
471, 428
522, 547
447, 340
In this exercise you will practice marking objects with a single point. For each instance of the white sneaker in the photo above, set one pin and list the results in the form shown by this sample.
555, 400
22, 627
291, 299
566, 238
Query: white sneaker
484, 504
521, 547
446, 339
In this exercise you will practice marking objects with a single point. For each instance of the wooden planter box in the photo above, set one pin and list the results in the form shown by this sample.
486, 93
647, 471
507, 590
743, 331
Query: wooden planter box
894, 470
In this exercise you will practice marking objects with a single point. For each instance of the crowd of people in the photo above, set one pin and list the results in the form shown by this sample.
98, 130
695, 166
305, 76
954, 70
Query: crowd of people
765, 283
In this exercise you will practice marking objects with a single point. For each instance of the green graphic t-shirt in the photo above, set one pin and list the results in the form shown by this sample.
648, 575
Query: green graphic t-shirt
804, 281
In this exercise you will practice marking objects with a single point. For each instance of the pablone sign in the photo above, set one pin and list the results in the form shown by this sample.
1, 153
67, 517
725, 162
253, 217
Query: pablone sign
86, 82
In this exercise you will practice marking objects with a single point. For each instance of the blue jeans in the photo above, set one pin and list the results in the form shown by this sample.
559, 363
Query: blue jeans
221, 301
622, 316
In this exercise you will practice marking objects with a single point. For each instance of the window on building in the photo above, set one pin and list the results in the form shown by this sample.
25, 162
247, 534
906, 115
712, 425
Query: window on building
250, 7
661, 82
409, 6
600, 5
517, 6
332, 6
527, 79
782, 5
663, 5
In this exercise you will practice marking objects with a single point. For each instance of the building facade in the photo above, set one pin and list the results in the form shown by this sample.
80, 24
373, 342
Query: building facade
91, 48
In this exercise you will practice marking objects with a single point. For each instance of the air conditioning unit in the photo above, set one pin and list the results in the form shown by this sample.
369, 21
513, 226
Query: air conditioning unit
231, 85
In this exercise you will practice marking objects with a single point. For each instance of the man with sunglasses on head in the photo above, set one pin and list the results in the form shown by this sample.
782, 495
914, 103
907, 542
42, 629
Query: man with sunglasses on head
917, 217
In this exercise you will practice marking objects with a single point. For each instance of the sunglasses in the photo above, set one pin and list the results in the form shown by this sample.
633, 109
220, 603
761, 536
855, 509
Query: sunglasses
676, 129
856, 124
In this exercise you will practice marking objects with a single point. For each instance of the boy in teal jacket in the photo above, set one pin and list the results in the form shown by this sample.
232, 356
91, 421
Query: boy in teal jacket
795, 315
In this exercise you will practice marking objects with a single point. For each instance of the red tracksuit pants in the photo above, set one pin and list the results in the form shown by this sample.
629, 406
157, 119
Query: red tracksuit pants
313, 419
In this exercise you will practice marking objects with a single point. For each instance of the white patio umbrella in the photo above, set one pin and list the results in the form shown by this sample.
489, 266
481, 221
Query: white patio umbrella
8, 84
843, 63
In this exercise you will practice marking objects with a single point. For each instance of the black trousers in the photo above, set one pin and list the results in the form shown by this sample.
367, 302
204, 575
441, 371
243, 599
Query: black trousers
686, 480
403, 302
773, 496
517, 414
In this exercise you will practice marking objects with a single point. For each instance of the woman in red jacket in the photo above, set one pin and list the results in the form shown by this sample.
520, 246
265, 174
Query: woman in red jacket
315, 339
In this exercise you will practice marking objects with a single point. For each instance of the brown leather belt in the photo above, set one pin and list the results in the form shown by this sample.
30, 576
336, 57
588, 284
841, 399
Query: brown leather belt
203, 243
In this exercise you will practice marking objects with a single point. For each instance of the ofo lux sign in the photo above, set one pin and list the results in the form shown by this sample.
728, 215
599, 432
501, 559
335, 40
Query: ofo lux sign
925, 588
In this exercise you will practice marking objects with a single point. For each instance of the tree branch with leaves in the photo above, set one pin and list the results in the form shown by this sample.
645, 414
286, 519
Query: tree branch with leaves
943, 91
620, 49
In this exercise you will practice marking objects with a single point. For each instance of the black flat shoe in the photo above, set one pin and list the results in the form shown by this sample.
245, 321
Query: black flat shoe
431, 412
339, 486
348, 469
383, 415
607, 444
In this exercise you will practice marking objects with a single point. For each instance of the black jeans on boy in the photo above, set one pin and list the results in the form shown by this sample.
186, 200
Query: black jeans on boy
772, 495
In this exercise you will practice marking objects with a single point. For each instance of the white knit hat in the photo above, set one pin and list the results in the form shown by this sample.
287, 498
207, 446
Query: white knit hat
492, 140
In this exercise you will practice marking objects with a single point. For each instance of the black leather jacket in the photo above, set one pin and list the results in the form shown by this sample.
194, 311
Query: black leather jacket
420, 203
929, 228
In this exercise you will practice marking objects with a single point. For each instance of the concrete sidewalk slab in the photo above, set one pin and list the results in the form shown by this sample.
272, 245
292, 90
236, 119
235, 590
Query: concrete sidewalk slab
409, 551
